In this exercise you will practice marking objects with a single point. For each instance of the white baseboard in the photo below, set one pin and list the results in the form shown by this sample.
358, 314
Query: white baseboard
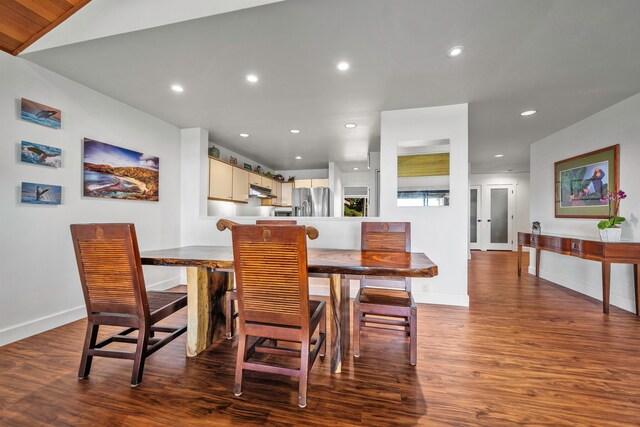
585, 289
45, 323
317, 287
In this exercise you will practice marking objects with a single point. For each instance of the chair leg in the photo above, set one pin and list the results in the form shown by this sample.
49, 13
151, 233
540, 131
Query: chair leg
357, 318
413, 337
141, 355
89, 343
240, 358
304, 373
228, 313
323, 331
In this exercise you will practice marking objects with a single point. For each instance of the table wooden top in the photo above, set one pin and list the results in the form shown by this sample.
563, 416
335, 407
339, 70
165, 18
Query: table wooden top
326, 261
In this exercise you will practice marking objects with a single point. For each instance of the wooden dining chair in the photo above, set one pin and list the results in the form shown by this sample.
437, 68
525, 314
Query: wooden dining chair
385, 303
231, 296
114, 292
270, 263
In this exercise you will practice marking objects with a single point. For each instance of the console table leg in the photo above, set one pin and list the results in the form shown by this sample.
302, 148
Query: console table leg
636, 282
606, 286
519, 260
537, 262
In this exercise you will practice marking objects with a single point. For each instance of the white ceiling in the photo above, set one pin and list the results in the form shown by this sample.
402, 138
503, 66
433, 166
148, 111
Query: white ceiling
567, 59
103, 18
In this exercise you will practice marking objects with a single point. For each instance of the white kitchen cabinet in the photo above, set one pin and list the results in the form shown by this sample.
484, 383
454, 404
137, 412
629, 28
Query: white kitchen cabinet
303, 183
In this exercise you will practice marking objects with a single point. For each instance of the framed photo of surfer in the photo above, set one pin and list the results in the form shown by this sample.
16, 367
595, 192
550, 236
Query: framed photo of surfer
38, 154
39, 113
114, 172
41, 194
582, 181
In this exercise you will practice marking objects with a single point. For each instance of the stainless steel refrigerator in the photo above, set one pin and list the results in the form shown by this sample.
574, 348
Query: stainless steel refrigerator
311, 201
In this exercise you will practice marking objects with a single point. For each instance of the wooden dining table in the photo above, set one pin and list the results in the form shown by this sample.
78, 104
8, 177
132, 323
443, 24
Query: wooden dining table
210, 273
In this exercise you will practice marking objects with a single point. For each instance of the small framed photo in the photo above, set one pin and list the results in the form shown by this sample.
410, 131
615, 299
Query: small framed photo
41, 194
233, 160
247, 166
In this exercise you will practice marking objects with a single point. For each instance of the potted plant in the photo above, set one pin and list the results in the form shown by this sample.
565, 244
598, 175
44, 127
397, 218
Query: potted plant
609, 228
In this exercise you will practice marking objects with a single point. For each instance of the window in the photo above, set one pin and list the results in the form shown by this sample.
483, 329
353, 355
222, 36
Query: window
356, 201
423, 198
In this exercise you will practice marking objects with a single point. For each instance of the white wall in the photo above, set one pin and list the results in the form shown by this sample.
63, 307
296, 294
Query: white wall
522, 188
441, 232
618, 124
335, 183
39, 278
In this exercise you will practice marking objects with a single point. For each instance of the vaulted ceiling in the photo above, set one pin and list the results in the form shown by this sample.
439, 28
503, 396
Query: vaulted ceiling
567, 59
22, 22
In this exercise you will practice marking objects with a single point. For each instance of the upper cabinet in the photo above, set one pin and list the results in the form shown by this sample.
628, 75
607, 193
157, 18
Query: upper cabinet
255, 179
312, 183
240, 185
220, 180
227, 182
266, 183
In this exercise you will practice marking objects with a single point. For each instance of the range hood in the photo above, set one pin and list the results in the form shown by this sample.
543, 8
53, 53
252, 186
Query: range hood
260, 192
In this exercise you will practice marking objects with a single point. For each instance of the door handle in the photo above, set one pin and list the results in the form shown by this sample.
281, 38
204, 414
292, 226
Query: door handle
479, 220
488, 220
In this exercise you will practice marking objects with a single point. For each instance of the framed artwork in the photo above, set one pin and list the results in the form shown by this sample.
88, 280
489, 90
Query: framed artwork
247, 166
581, 181
39, 113
114, 172
41, 194
37, 154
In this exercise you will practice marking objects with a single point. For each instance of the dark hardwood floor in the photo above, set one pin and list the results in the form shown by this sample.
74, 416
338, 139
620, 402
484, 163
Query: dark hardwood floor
525, 352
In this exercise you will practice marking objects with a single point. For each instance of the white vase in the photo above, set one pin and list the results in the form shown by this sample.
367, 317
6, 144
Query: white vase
611, 234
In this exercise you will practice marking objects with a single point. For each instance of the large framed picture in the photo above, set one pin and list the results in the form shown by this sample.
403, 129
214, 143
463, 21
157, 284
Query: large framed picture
119, 173
581, 181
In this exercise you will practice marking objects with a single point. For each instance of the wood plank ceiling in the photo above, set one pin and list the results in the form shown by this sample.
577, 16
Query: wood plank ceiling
22, 22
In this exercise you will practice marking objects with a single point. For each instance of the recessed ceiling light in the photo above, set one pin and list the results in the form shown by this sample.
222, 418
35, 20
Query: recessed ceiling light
350, 125
252, 78
295, 131
455, 51
343, 66
498, 155
177, 88
528, 113
355, 169
244, 135
298, 158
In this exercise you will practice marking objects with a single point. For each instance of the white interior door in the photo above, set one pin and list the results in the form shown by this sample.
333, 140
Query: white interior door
475, 217
498, 217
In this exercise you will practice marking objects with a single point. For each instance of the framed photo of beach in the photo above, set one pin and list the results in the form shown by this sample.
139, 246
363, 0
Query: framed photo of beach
581, 181
114, 172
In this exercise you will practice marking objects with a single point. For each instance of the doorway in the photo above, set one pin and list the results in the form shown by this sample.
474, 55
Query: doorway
475, 217
491, 216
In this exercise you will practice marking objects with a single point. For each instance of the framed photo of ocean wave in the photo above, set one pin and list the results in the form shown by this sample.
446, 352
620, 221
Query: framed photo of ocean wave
39, 113
39, 154
114, 172
581, 181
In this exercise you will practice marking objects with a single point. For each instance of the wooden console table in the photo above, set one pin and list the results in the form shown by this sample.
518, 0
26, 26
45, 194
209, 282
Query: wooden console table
605, 252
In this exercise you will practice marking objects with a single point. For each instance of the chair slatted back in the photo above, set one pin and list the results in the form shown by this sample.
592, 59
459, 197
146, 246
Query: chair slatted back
271, 274
276, 222
386, 236
110, 269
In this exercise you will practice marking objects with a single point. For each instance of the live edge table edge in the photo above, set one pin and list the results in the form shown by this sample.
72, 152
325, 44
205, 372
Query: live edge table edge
606, 253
